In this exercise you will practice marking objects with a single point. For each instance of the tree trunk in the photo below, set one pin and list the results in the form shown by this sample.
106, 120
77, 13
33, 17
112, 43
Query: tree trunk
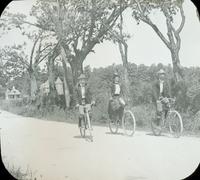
51, 79
173, 42
66, 83
123, 52
176, 65
77, 68
127, 85
33, 85
66, 86
123, 48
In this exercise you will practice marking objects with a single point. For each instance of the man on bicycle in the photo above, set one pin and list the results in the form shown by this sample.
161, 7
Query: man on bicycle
161, 93
116, 98
83, 95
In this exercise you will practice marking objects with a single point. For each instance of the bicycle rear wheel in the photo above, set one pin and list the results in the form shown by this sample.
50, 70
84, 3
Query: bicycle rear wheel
82, 127
128, 123
175, 123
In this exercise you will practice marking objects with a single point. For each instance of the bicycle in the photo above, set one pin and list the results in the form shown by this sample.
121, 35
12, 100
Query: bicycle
128, 122
172, 117
85, 124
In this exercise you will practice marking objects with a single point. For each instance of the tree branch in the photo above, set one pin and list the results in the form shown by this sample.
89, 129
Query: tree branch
33, 49
84, 41
149, 22
75, 44
182, 20
39, 26
92, 24
158, 32
139, 8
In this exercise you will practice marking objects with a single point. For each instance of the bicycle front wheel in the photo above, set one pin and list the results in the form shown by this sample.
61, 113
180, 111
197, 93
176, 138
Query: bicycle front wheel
114, 125
175, 123
89, 128
128, 123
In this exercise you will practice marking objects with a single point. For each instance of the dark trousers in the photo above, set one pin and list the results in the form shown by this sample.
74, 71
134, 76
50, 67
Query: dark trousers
81, 117
160, 109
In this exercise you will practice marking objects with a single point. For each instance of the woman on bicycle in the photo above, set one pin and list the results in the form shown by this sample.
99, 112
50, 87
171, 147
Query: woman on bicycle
83, 95
116, 97
161, 94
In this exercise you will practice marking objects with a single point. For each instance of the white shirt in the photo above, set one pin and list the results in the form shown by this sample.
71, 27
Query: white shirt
161, 86
82, 91
117, 89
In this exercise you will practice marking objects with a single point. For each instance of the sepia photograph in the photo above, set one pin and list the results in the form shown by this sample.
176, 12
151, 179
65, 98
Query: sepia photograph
100, 89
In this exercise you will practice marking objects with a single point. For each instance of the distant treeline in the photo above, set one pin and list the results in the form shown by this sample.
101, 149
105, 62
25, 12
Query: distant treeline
141, 78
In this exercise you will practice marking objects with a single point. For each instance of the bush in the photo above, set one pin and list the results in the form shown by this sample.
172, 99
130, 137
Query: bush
59, 114
4, 105
191, 122
14, 106
100, 111
144, 114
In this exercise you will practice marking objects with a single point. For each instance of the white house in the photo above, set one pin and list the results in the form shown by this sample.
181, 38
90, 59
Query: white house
12, 94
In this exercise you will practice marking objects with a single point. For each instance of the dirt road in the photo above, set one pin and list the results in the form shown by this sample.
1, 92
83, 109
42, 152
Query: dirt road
55, 151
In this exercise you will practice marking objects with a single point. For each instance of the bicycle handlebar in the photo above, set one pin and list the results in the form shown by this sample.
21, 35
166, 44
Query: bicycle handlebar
170, 100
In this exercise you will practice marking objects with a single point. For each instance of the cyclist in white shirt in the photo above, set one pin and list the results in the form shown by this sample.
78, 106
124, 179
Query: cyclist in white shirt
117, 97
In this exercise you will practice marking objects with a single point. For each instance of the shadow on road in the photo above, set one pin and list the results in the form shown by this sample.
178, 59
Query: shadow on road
78, 137
115, 133
162, 135
86, 138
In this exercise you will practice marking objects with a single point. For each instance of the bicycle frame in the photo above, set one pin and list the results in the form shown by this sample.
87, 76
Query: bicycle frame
87, 125
116, 122
86, 114
165, 120
170, 108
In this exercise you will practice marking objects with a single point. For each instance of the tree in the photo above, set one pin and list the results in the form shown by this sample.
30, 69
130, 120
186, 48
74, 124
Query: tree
40, 51
51, 75
141, 11
78, 25
12, 63
119, 37
17, 62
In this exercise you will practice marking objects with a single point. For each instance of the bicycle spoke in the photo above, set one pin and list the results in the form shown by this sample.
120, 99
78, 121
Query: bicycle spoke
114, 125
175, 123
128, 123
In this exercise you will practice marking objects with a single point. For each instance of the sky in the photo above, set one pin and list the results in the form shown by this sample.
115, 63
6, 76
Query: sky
144, 46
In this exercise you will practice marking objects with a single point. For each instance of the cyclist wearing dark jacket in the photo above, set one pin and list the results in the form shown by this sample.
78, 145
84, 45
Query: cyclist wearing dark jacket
161, 93
83, 95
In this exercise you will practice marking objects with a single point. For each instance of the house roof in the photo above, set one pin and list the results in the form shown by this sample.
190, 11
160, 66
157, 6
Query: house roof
58, 81
13, 91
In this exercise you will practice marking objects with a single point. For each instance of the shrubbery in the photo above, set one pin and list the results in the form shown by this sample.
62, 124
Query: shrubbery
141, 77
